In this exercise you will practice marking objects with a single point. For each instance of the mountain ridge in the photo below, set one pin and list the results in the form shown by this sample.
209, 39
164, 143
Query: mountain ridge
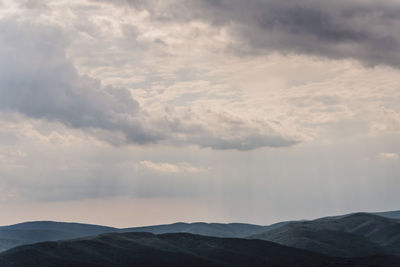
174, 249
39, 231
353, 235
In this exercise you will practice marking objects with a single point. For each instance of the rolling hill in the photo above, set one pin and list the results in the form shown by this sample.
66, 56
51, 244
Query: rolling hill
208, 229
389, 214
354, 235
181, 249
33, 232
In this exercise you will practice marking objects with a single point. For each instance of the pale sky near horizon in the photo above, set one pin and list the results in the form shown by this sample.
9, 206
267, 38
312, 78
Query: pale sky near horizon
128, 112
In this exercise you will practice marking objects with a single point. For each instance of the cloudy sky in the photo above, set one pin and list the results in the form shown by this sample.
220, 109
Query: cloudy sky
129, 112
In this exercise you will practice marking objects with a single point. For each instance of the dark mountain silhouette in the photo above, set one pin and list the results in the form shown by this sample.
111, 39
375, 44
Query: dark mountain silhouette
354, 235
181, 249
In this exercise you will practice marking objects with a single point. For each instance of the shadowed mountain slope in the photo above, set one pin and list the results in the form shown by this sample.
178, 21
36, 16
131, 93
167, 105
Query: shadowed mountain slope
354, 235
145, 249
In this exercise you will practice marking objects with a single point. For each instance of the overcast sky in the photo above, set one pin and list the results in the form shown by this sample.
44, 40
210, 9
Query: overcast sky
131, 112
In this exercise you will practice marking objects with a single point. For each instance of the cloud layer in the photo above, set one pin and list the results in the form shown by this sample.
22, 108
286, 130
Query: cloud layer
364, 30
39, 81
52, 87
242, 106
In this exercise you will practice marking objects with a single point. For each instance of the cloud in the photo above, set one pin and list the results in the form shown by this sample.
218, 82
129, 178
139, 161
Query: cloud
163, 167
364, 30
192, 90
10, 157
38, 81
388, 156
245, 143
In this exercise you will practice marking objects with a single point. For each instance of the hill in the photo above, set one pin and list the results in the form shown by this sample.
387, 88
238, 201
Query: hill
181, 249
32, 232
389, 214
207, 229
330, 235
354, 235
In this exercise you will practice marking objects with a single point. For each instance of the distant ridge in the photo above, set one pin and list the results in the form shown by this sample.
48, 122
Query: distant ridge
39, 231
389, 214
354, 235
53, 225
207, 229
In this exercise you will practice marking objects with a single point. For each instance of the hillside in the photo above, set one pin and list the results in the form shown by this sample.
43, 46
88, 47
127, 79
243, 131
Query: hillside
32, 232
354, 235
145, 249
207, 229
389, 214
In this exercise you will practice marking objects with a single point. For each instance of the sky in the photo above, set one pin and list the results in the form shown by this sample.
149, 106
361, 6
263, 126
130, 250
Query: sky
128, 112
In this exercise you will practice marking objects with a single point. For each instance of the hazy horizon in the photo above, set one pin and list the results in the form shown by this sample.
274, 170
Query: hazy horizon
122, 225
128, 113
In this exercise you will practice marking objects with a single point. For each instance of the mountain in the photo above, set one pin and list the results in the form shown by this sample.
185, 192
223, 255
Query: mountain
180, 249
32, 232
207, 229
354, 235
57, 226
389, 214
322, 235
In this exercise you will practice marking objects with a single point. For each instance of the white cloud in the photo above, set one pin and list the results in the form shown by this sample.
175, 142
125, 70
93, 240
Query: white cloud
388, 156
163, 167
11, 157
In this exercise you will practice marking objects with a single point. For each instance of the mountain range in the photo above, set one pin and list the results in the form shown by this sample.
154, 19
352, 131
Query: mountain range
179, 249
33, 232
358, 239
355, 235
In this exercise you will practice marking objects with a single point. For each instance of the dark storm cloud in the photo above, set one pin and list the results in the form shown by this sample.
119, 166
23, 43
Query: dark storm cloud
364, 30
